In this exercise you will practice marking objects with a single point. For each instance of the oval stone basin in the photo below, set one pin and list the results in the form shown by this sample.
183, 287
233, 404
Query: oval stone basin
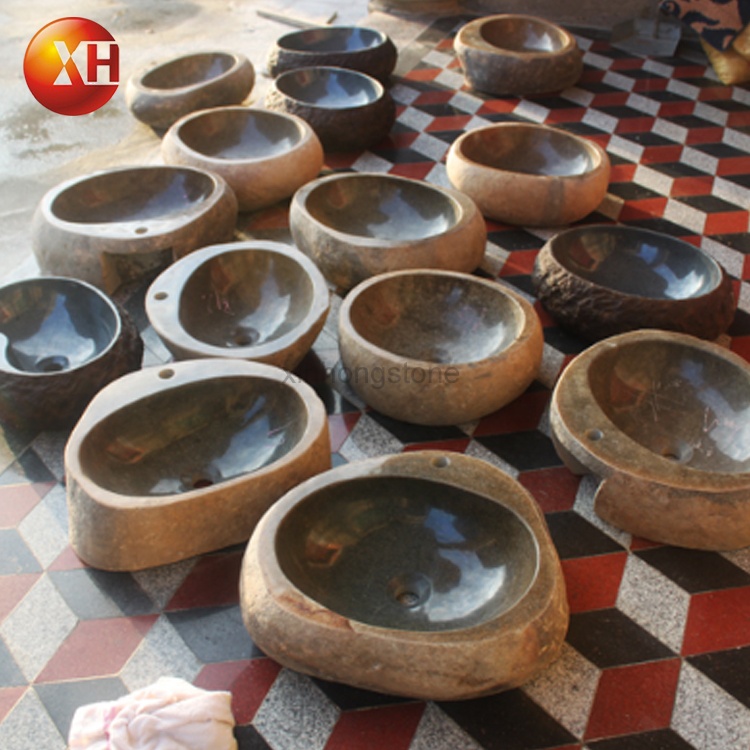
189, 70
60, 342
600, 280
331, 39
328, 87
115, 226
661, 418
358, 225
402, 560
256, 300
179, 460
523, 34
436, 347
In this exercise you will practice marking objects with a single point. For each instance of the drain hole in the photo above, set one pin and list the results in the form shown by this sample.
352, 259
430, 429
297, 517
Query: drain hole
245, 336
407, 599
57, 363
680, 453
410, 590
201, 482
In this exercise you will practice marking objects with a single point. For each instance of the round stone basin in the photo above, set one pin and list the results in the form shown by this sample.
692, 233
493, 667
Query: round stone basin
255, 300
438, 561
189, 70
61, 340
528, 174
523, 34
600, 280
359, 225
264, 156
437, 347
331, 88
407, 553
354, 47
174, 461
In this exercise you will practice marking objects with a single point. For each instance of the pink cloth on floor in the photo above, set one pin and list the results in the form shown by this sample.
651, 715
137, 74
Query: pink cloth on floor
171, 714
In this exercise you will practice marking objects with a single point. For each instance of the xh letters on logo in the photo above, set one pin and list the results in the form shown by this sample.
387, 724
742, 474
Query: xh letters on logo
97, 63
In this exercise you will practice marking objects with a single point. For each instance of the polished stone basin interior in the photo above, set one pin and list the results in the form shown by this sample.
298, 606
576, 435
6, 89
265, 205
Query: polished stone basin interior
330, 88
599, 280
523, 33
407, 553
357, 225
331, 39
254, 300
189, 70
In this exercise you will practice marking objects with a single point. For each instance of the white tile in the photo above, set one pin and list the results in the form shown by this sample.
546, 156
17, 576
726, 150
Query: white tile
600, 120
731, 192
597, 61
402, 94
686, 216
37, 627
437, 59
43, 534
625, 148
368, 440
436, 731
578, 96
732, 260
430, 146
644, 104
744, 304
552, 362
660, 69
161, 582
653, 179
740, 557
700, 160
450, 78
295, 714
466, 102
531, 111
712, 114
30, 726
740, 94
368, 162
477, 122
671, 130
738, 140
584, 506
681, 88
415, 118
619, 81
438, 175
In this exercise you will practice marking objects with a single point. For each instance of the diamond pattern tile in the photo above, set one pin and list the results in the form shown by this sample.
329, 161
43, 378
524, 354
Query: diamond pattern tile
658, 652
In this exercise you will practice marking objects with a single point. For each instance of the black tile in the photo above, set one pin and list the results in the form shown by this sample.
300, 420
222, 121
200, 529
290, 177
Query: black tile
623, 112
563, 341
662, 225
743, 180
27, 468
440, 109
414, 433
701, 81
648, 140
608, 638
10, 674
581, 128
350, 698
728, 669
677, 170
334, 402
523, 450
662, 739
729, 105
693, 122
15, 556
515, 239
639, 74
710, 204
215, 634
695, 570
719, 150
739, 241
522, 282
664, 96
508, 721
574, 536
740, 325
598, 87
401, 155
553, 102
631, 191
447, 136
61, 699
248, 738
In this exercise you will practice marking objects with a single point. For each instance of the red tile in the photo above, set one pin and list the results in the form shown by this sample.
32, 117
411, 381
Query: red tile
339, 161
248, 681
705, 135
498, 106
741, 345
746, 268
689, 71
692, 185
544, 317
434, 97
676, 109
446, 43
519, 263
340, 427
637, 543
734, 165
642, 85
565, 115
611, 99
622, 172
635, 125
519, 415
645, 209
16, 502
452, 122
97, 648
661, 154
415, 171
457, 445
593, 582
635, 698
9, 697
715, 93
401, 140
13, 589
554, 489
390, 727
67, 560
423, 74
731, 222
627, 63
718, 620
213, 582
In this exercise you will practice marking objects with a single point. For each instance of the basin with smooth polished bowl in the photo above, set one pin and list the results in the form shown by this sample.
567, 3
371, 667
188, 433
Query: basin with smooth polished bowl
425, 574
662, 419
174, 461
263, 156
257, 300
369, 51
517, 54
528, 174
348, 110
599, 280
118, 225
61, 341
438, 347
358, 225
160, 94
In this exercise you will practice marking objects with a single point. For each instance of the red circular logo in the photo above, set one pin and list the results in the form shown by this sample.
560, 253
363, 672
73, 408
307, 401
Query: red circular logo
72, 66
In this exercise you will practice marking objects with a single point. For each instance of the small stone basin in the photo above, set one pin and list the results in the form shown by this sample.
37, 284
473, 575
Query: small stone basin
61, 341
175, 461
161, 94
118, 225
357, 225
517, 54
263, 156
438, 347
528, 174
405, 561
257, 300
661, 417
354, 47
348, 110
600, 280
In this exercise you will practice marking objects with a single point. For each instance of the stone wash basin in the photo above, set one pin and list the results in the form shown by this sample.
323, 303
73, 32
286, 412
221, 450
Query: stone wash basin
517, 54
662, 418
348, 110
256, 300
426, 574
438, 347
61, 341
600, 280
175, 461
118, 225
357, 225
264, 156
161, 94
528, 174
354, 47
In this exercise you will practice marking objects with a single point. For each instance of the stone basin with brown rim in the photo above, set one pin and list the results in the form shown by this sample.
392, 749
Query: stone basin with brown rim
426, 574
662, 419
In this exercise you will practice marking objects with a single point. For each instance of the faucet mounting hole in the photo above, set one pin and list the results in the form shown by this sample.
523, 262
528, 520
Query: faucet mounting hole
594, 435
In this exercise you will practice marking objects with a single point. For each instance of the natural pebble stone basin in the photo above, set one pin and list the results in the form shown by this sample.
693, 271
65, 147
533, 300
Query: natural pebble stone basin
661, 418
599, 280
435, 561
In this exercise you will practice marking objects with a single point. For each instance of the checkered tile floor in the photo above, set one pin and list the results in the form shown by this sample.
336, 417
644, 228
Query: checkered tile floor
658, 653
